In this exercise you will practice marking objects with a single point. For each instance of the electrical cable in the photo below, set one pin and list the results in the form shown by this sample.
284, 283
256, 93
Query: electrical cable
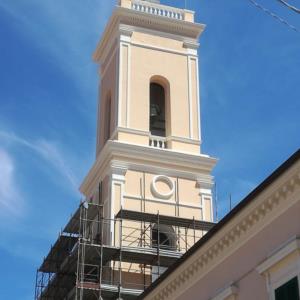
270, 13
293, 8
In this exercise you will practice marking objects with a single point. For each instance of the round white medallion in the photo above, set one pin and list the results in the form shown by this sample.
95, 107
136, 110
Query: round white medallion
167, 181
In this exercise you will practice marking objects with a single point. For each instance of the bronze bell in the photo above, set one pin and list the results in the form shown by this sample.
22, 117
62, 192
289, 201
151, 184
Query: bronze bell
154, 110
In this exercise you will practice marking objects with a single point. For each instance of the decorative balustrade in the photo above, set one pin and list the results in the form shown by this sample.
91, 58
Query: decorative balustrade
158, 10
158, 142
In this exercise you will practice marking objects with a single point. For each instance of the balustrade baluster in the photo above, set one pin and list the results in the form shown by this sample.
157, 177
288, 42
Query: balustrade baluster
152, 9
157, 142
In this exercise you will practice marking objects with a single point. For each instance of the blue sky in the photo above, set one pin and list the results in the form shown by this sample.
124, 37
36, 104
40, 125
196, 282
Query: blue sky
250, 92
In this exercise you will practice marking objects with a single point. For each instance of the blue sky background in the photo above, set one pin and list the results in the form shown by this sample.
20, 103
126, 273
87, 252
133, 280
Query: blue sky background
250, 90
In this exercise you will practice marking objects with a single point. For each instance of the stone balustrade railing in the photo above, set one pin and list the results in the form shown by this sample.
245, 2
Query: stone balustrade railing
157, 9
158, 142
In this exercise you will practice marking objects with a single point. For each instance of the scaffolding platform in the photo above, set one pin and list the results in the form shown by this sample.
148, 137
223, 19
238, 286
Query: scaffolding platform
110, 291
58, 286
85, 255
139, 255
58, 253
73, 226
163, 219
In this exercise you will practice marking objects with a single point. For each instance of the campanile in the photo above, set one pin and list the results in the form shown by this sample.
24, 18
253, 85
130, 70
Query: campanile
148, 195
148, 149
149, 162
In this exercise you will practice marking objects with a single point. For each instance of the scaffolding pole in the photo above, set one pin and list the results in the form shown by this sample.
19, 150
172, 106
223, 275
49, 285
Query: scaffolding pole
145, 243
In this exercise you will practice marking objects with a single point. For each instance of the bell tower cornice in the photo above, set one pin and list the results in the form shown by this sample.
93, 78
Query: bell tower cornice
148, 16
123, 156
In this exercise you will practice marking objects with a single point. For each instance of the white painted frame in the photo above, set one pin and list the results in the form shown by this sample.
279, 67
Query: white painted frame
166, 180
225, 293
276, 279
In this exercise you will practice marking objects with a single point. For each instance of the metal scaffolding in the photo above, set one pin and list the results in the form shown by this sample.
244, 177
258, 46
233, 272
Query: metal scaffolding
102, 258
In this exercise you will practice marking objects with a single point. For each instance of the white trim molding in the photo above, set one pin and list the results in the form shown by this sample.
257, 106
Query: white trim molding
129, 130
168, 181
183, 140
162, 49
281, 266
121, 15
118, 172
190, 97
198, 100
231, 290
170, 202
288, 248
144, 157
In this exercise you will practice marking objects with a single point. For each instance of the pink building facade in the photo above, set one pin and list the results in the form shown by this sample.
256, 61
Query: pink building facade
253, 253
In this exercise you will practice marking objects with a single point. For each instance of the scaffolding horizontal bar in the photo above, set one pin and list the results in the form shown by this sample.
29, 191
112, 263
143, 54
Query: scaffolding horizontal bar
59, 286
137, 255
163, 219
108, 291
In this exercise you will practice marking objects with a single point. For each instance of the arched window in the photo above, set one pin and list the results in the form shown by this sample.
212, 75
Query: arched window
165, 237
157, 110
107, 119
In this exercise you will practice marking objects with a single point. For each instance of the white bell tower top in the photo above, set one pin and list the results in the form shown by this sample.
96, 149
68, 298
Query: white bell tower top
149, 77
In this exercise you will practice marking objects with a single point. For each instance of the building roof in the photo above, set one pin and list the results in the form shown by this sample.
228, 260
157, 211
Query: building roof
241, 206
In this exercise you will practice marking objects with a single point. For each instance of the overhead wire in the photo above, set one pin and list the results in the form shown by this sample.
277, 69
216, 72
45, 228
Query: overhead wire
293, 8
278, 18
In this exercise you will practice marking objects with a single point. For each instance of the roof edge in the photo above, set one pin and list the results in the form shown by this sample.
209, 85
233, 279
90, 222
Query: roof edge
244, 203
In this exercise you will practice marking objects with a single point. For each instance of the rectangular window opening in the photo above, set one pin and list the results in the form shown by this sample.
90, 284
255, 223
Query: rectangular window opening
288, 291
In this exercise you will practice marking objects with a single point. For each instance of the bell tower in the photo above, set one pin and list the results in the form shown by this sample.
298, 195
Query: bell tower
149, 163
148, 195
149, 92
148, 134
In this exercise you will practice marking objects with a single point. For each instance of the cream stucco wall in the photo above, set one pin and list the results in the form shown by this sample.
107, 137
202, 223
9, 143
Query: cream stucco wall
108, 90
185, 202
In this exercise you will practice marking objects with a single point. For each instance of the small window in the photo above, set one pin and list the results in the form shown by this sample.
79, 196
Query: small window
288, 291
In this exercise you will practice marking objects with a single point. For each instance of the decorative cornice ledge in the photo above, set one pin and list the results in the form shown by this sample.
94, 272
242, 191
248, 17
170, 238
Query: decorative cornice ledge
121, 153
128, 16
148, 134
201, 262
229, 291
289, 247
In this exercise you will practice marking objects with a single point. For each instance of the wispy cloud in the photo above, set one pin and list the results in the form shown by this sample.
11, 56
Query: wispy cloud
10, 200
49, 152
